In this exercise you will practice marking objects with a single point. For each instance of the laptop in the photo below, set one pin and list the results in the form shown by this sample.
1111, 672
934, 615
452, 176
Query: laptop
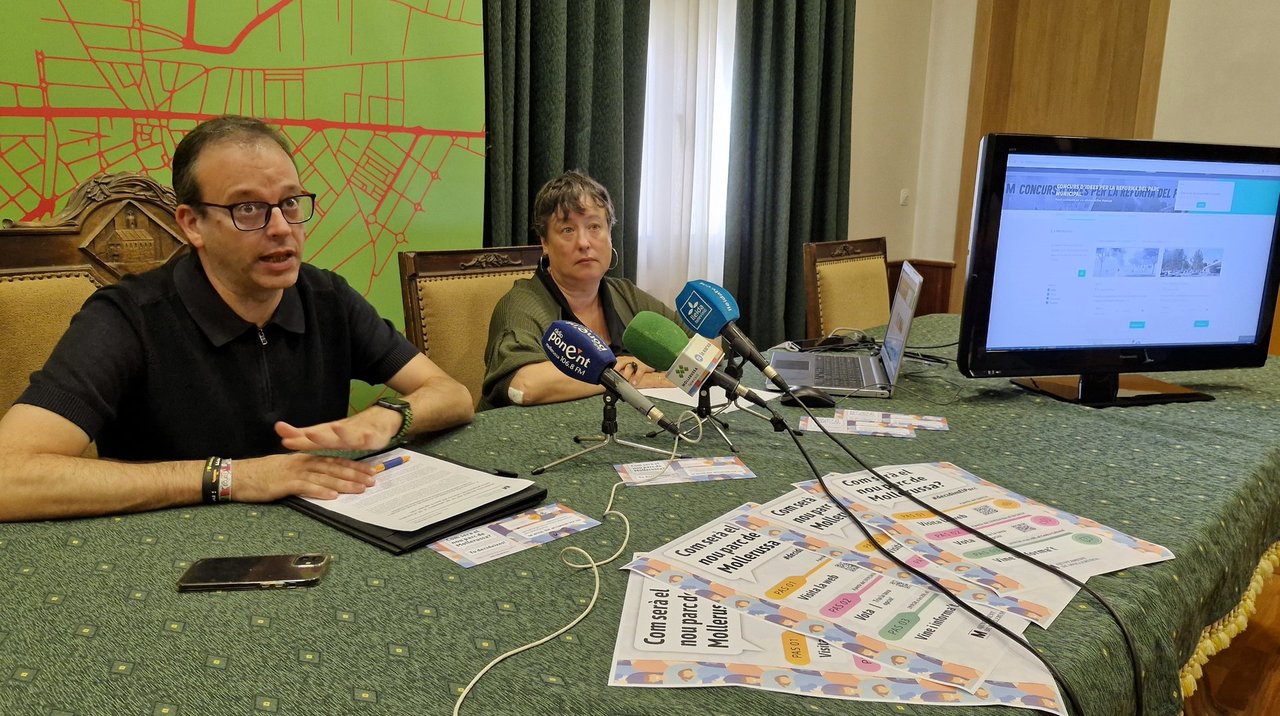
854, 374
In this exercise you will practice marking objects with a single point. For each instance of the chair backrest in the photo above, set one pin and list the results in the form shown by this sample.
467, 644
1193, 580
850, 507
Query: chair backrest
846, 285
449, 297
112, 225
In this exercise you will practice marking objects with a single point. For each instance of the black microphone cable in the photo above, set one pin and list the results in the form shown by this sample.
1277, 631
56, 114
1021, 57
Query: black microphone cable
933, 582
940, 345
1124, 630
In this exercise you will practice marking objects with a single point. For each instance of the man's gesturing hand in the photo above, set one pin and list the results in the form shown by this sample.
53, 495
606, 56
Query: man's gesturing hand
266, 479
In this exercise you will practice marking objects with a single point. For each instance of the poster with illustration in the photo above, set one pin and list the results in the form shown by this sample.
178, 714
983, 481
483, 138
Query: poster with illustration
811, 520
1076, 545
884, 619
670, 638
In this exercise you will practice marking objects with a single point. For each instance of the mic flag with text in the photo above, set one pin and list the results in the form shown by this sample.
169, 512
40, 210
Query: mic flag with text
710, 311
580, 354
654, 339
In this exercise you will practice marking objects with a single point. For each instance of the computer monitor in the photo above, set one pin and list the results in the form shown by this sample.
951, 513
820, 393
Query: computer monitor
1101, 258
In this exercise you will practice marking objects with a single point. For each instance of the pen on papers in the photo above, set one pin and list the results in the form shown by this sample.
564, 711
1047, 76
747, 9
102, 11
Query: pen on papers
388, 464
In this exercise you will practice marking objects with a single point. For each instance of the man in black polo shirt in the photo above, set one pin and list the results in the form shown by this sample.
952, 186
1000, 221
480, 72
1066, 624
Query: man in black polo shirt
198, 380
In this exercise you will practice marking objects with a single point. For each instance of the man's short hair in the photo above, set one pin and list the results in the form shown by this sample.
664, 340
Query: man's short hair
227, 128
563, 196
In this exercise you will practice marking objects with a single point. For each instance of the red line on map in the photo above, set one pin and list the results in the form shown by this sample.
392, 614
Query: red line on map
404, 43
381, 184
318, 125
351, 28
189, 40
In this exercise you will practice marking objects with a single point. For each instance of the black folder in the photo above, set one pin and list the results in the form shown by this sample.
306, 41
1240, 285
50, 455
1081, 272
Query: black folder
400, 542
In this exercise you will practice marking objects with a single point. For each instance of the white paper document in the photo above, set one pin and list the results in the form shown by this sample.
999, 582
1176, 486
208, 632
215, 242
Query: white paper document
718, 398
420, 491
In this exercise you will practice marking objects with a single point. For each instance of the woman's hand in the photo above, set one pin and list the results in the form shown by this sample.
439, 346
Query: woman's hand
641, 375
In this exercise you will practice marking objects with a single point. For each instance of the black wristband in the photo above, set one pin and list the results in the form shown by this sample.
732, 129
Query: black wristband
210, 480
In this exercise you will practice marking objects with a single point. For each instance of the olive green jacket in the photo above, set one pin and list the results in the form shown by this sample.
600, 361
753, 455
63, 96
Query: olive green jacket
523, 315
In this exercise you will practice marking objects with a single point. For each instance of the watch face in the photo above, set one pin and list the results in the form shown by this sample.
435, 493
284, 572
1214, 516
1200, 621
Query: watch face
406, 414
393, 403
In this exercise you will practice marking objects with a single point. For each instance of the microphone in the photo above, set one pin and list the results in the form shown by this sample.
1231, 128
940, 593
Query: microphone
580, 354
710, 311
654, 339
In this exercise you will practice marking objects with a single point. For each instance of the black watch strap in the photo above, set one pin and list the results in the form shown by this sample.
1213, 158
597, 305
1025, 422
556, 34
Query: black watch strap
406, 415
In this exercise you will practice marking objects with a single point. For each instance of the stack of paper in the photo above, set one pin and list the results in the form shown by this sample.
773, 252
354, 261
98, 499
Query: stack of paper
792, 596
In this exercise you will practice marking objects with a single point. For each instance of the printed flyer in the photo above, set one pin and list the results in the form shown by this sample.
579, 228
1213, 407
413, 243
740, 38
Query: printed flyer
1078, 546
887, 620
672, 638
512, 534
812, 521
694, 469
919, 422
839, 426
846, 421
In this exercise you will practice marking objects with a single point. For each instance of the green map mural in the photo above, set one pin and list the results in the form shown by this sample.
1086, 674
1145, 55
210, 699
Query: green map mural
383, 100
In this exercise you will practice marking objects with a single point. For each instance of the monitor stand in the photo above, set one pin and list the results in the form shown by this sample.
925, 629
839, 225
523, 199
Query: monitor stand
1106, 390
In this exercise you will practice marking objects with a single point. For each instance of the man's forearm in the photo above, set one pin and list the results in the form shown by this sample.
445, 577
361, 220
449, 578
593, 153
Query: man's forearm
53, 486
440, 403
43, 486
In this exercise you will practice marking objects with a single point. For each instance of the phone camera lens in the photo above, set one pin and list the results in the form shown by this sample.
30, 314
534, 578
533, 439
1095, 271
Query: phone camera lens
309, 560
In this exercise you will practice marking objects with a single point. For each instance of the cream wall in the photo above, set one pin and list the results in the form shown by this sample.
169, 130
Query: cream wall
912, 64
946, 105
1218, 81
1218, 84
910, 94
890, 58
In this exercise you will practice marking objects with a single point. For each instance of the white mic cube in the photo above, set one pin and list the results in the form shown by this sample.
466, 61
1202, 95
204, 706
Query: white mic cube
690, 369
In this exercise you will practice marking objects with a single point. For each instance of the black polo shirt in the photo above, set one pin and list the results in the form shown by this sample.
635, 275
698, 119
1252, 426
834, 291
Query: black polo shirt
158, 367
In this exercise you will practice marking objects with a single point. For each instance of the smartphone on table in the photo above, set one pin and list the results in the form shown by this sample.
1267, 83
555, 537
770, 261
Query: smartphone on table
259, 572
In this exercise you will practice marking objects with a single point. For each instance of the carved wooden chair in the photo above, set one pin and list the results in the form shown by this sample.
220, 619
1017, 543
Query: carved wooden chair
449, 297
846, 285
112, 225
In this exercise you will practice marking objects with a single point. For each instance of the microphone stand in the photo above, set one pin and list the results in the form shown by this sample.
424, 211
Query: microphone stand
608, 436
732, 366
706, 417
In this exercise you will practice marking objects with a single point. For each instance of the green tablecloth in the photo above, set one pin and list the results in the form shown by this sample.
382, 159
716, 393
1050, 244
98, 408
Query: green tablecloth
90, 622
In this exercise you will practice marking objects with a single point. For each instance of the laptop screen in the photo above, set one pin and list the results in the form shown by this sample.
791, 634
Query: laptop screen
904, 309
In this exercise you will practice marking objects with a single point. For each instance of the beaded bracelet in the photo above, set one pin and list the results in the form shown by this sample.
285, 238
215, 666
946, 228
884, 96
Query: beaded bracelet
224, 480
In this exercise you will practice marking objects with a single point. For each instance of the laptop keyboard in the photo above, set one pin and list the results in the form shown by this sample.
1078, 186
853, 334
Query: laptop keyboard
838, 370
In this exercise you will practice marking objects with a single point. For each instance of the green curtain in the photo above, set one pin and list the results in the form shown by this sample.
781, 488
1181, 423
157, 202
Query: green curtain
788, 154
564, 82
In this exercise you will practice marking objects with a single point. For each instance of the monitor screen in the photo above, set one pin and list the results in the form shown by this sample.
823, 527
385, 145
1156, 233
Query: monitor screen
1105, 257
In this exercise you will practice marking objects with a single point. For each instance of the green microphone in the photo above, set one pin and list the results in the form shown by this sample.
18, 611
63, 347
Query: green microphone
658, 341
654, 339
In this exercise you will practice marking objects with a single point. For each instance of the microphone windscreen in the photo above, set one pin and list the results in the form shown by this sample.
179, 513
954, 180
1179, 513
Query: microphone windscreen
706, 308
577, 351
654, 339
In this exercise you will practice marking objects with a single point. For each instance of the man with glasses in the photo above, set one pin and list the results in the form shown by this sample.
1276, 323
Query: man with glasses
201, 381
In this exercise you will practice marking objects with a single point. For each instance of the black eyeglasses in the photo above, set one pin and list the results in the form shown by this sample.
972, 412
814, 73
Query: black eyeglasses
253, 215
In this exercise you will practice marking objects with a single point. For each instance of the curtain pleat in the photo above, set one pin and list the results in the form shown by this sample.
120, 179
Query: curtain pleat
788, 155
564, 82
